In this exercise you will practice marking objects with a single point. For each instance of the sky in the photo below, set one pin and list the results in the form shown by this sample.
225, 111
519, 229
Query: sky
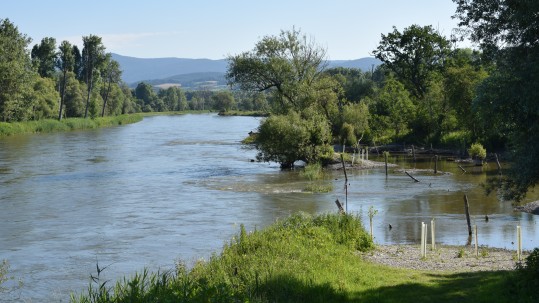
212, 29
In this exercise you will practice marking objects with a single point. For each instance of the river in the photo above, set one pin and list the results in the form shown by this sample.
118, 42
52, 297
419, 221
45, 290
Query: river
175, 188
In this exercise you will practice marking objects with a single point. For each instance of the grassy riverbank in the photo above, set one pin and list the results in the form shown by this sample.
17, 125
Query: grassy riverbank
68, 124
307, 259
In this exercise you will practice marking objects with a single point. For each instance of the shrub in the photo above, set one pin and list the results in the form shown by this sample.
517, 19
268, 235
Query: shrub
288, 138
477, 151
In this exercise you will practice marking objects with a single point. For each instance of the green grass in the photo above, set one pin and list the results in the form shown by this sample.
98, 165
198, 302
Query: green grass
305, 259
50, 125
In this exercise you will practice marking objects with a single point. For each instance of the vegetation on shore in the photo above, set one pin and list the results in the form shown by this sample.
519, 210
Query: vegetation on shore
68, 124
309, 259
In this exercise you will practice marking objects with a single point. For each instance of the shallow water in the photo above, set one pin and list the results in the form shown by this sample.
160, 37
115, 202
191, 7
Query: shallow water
177, 187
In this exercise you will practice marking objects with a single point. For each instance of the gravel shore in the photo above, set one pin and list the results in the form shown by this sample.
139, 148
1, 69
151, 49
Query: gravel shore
444, 258
532, 208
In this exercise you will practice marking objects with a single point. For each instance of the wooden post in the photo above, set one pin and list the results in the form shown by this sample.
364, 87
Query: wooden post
372, 237
367, 153
476, 246
498, 163
339, 205
519, 243
436, 164
426, 237
385, 159
432, 232
467, 209
422, 239
345, 183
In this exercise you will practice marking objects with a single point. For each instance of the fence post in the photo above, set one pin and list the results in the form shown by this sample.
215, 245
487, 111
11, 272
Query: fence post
519, 243
476, 246
432, 232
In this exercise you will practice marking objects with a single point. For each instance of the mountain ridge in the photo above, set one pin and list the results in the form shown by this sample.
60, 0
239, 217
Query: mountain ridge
156, 70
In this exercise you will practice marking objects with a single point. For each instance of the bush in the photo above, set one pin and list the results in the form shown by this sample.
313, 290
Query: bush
289, 138
456, 139
477, 151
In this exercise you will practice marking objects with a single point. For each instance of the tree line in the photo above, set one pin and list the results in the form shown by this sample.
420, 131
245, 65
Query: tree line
50, 81
426, 92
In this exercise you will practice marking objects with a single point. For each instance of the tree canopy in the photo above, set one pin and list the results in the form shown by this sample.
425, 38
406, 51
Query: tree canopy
507, 31
413, 55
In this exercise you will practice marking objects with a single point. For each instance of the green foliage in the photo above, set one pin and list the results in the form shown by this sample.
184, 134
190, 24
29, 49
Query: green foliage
49, 125
348, 137
477, 151
357, 116
315, 174
289, 138
456, 139
287, 65
44, 57
413, 56
393, 109
15, 78
260, 266
507, 99
224, 101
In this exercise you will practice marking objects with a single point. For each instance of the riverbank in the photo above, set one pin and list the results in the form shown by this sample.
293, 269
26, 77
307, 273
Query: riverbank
532, 208
325, 258
68, 124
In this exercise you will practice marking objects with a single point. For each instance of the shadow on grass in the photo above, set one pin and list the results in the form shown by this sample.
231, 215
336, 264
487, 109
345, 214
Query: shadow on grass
497, 286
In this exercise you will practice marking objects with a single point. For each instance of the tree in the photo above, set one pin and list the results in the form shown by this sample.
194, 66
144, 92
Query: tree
507, 32
93, 55
15, 72
66, 64
223, 101
393, 105
289, 138
286, 65
357, 117
44, 57
413, 55
146, 94
44, 98
74, 96
111, 76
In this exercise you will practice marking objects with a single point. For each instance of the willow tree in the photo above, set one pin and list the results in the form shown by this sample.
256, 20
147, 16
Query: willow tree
287, 65
93, 55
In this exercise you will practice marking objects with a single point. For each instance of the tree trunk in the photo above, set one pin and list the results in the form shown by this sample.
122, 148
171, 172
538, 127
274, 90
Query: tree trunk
62, 96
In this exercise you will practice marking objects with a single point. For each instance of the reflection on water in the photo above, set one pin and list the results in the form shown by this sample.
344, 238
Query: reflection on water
168, 188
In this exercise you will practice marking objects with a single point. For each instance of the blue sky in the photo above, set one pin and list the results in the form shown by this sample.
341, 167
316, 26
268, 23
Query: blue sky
348, 29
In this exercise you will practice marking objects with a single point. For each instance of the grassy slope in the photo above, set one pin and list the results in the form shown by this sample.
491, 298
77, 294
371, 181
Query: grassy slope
306, 259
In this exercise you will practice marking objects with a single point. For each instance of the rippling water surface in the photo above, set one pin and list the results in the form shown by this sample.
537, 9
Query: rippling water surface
177, 187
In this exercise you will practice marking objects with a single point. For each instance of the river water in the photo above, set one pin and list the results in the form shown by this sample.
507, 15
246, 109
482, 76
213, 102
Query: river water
175, 188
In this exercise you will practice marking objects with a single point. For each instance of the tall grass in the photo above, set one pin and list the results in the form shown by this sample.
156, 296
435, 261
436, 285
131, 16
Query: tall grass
315, 174
50, 125
305, 259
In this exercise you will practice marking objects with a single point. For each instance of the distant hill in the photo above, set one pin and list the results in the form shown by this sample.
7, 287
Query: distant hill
192, 72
